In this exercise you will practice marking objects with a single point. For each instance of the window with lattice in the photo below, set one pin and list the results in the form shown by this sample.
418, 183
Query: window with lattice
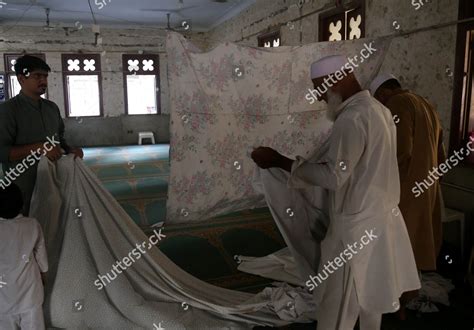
345, 23
141, 80
82, 85
270, 40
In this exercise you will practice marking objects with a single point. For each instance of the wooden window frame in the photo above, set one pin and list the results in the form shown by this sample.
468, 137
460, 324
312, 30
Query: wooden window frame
8, 71
269, 36
355, 5
459, 116
98, 72
155, 72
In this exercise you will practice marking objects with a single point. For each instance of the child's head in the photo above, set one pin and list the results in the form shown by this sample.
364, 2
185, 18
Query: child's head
11, 201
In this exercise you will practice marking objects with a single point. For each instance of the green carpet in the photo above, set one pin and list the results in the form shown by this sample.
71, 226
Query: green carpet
206, 250
137, 176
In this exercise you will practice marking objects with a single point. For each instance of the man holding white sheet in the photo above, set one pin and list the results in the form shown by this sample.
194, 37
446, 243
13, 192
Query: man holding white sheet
360, 172
27, 122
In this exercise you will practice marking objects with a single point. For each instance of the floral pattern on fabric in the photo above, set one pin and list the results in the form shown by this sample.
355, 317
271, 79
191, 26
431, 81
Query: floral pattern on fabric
181, 146
232, 99
222, 153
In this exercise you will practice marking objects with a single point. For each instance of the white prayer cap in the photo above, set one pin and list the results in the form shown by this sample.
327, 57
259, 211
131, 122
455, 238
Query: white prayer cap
380, 80
327, 65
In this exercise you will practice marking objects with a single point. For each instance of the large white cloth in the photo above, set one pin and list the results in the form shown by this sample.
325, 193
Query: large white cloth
302, 218
300, 215
86, 232
361, 173
279, 266
22, 258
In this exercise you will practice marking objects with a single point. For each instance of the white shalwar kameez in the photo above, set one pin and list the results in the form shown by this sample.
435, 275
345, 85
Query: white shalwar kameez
23, 257
360, 172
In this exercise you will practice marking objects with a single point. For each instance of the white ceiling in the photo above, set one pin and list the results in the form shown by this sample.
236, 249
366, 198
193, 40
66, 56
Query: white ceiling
202, 14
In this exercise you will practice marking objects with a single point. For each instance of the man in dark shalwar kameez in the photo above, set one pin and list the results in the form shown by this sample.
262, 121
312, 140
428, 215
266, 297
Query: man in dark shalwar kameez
27, 123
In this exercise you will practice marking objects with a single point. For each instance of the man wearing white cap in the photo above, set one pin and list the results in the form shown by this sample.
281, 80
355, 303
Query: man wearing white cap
419, 150
360, 172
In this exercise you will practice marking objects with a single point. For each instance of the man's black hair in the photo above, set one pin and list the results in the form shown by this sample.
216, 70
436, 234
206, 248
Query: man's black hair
11, 201
391, 84
27, 64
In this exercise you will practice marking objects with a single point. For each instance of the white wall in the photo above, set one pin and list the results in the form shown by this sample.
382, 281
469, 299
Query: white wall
115, 127
419, 60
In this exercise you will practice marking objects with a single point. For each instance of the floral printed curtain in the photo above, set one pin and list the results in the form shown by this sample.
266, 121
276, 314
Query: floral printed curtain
226, 101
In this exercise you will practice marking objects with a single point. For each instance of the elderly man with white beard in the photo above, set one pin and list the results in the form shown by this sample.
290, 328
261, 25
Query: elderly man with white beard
360, 172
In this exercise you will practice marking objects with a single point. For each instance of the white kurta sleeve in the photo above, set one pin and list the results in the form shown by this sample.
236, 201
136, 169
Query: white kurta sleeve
41, 255
347, 143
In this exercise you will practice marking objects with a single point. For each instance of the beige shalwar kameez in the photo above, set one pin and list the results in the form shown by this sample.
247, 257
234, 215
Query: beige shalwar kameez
419, 151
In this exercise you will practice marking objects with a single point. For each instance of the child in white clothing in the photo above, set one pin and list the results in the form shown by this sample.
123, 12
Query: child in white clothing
23, 262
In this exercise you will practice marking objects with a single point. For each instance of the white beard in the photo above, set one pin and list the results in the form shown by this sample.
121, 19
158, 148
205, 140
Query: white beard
334, 101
